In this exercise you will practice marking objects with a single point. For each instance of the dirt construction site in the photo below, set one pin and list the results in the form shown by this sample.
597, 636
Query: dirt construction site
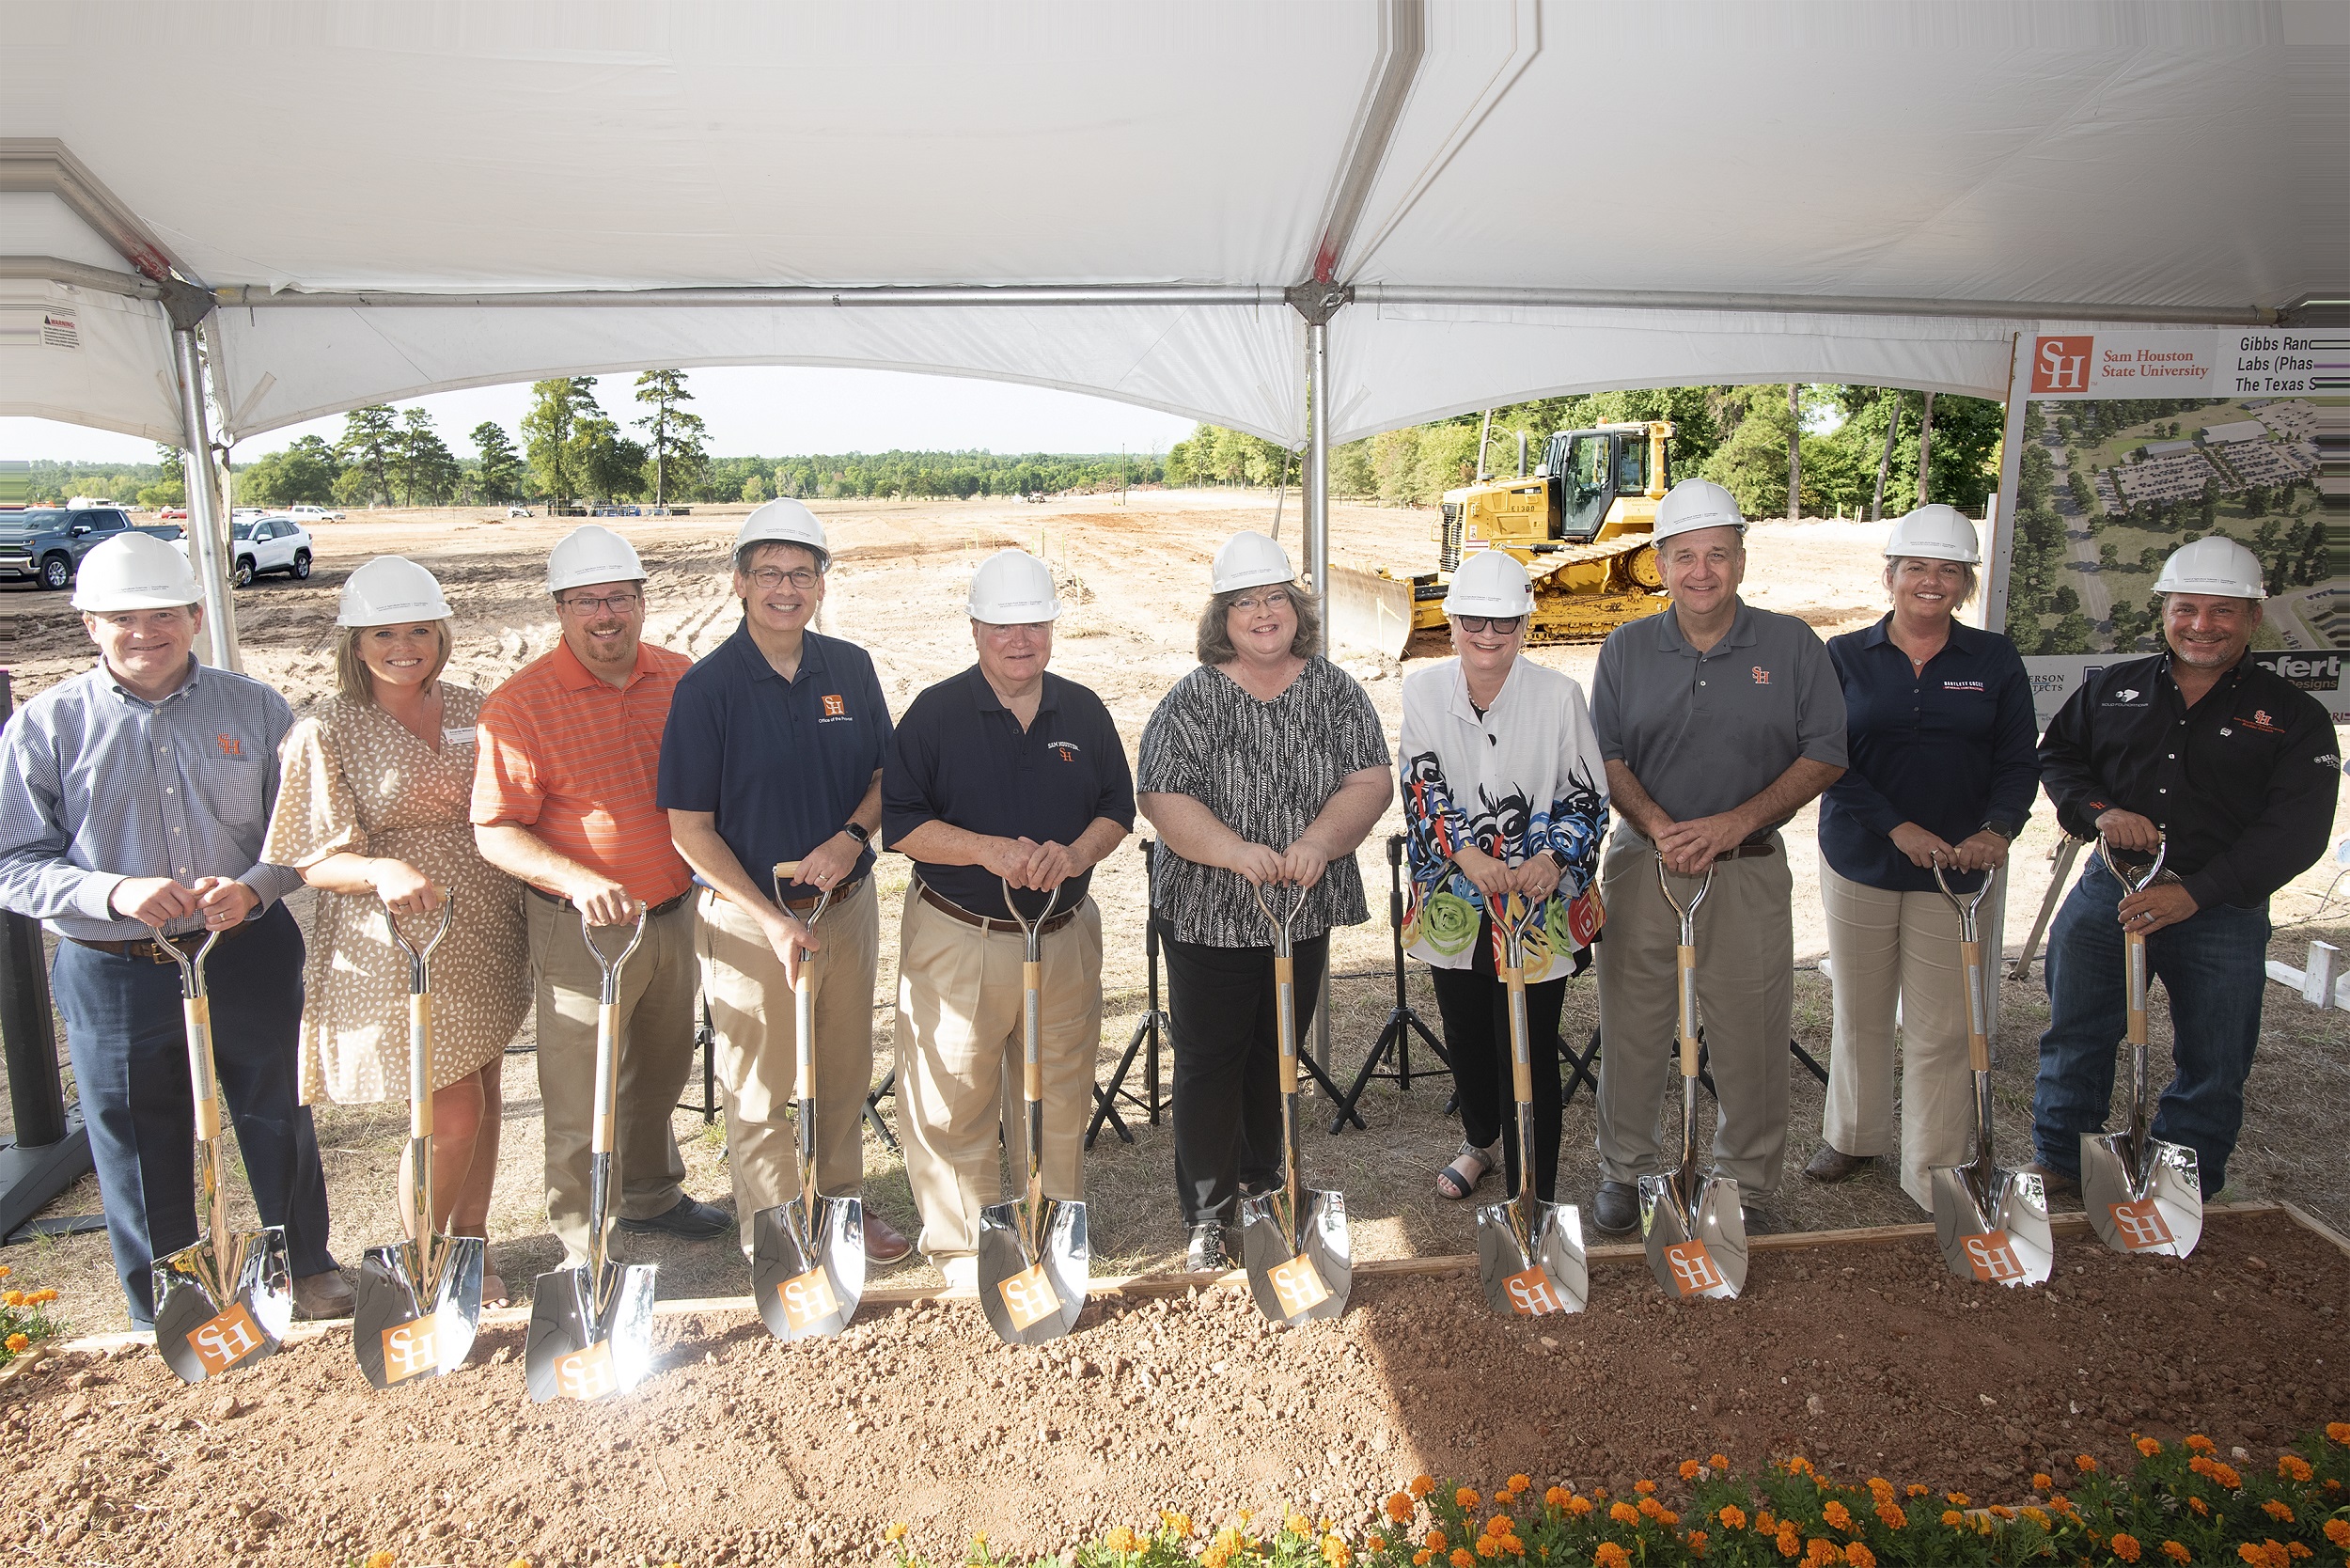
1857, 1350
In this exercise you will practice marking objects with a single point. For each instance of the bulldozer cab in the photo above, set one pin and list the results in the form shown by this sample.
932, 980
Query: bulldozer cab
1589, 469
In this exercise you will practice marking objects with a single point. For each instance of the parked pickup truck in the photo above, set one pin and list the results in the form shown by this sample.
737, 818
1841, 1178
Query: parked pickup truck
48, 543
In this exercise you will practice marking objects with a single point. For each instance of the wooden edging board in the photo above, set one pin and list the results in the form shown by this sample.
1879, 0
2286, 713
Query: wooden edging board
1145, 1286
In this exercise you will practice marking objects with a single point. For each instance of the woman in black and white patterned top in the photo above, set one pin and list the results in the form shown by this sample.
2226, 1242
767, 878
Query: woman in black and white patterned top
1266, 764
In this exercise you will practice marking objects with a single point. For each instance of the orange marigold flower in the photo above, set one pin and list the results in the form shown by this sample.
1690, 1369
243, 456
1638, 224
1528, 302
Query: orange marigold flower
2038, 1516
1696, 1543
2043, 1481
1336, 1552
1717, 1461
1556, 1496
1422, 1485
2201, 1508
19, 1344
1917, 1491
2177, 1552
2295, 1549
2337, 1532
2148, 1447
1578, 1505
1890, 1511
1953, 1519
1436, 1542
1178, 1524
2226, 1476
1623, 1513
1666, 1517
1297, 1523
1467, 1497
1732, 1516
1399, 1507
1488, 1547
2084, 1461
1651, 1507
1765, 1522
2256, 1554
1838, 1518
1644, 1487
1609, 1555
1521, 1484
2292, 1466
1690, 1468
1790, 1541
1419, 1558
1799, 1466
1881, 1489
895, 1532
1957, 1500
1376, 1542
1860, 1556
1121, 1538
2197, 1443
1463, 1558
2126, 1547
2277, 1511
1500, 1524
1822, 1552
2338, 1432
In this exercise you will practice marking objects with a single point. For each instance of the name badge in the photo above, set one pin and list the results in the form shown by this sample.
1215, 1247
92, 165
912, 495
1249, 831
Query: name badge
457, 736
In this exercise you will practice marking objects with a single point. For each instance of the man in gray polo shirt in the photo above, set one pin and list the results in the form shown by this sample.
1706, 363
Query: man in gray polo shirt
1717, 722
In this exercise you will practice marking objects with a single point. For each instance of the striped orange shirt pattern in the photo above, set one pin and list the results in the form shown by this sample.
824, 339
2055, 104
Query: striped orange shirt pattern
575, 760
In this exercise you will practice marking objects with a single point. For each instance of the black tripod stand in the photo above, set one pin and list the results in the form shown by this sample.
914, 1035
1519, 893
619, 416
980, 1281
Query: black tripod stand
1154, 1029
1402, 1023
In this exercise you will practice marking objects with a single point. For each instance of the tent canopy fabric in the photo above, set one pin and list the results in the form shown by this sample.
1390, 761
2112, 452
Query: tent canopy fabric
1564, 196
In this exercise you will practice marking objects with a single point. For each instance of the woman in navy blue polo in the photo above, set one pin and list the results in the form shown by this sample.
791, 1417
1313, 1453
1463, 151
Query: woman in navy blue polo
1938, 722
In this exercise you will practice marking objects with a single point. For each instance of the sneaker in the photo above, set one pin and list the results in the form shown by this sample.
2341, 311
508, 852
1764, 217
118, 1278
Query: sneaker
884, 1243
692, 1221
1832, 1164
321, 1295
1615, 1209
1211, 1250
962, 1271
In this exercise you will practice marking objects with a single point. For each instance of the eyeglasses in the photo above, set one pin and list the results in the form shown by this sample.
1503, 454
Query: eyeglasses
770, 578
1504, 624
1278, 599
618, 604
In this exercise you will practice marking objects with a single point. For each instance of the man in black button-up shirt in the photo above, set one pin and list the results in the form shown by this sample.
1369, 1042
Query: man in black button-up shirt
2236, 770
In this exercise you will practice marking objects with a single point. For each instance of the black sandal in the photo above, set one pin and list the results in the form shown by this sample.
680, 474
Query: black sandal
1453, 1184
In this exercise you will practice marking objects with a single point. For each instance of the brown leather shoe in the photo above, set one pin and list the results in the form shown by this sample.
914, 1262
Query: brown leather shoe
1832, 1165
883, 1245
321, 1295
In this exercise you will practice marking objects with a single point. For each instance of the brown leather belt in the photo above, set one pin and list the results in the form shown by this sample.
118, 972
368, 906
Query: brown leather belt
148, 947
802, 906
955, 911
653, 914
1750, 849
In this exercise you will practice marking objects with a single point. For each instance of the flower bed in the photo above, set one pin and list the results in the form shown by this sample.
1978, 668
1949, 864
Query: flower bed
25, 1320
2180, 1504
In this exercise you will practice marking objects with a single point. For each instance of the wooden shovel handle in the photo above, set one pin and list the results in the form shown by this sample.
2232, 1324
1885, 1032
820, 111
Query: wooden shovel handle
1978, 1037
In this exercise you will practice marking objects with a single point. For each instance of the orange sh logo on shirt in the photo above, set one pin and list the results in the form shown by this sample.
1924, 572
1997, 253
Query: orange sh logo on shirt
229, 746
1065, 750
1762, 676
836, 707
2262, 721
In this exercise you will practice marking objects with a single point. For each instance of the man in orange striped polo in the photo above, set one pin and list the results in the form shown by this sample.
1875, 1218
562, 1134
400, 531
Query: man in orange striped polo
563, 799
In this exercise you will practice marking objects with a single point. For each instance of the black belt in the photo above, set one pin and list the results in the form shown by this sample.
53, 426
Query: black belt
652, 913
954, 911
1748, 850
147, 948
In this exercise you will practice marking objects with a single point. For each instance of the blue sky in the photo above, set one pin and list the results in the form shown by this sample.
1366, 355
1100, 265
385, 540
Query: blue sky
762, 410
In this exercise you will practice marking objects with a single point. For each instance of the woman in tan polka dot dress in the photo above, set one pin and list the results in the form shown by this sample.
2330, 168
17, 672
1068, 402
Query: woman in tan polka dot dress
373, 809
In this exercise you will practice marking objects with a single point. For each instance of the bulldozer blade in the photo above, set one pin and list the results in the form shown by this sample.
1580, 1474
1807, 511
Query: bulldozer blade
575, 1352
1532, 1264
1695, 1249
1031, 1298
220, 1308
2157, 1212
411, 1322
1311, 1279
1365, 610
809, 1276
1993, 1227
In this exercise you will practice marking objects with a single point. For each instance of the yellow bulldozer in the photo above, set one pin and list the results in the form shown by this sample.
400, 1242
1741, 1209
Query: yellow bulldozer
1580, 524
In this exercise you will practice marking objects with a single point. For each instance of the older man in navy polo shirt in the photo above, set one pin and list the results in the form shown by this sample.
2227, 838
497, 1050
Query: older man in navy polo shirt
1003, 773
774, 752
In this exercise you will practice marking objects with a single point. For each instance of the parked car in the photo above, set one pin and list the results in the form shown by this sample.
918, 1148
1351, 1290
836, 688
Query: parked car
271, 542
303, 512
173, 514
48, 543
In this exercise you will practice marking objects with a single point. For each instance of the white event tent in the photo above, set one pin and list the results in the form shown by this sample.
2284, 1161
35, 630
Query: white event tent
243, 215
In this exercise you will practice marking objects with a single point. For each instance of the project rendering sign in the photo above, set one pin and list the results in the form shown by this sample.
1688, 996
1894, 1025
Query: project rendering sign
2124, 444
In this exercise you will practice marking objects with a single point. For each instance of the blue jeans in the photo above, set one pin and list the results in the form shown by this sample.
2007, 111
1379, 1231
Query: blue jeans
128, 1043
2213, 967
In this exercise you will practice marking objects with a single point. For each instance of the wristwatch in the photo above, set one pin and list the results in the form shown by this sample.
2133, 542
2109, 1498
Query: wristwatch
2001, 829
1557, 859
857, 832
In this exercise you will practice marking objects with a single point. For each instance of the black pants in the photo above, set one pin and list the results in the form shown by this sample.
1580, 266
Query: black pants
1475, 1007
1228, 1079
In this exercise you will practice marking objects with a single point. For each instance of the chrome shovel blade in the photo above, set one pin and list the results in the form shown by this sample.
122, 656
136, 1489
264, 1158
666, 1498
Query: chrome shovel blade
1030, 1299
214, 1313
406, 1324
1531, 1268
2160, 1213
1312, 1281
574, 1352
1695, 1249
807, 1278
1992, 1229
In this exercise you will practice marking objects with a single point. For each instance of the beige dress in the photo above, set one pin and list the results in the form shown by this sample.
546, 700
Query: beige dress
354, 777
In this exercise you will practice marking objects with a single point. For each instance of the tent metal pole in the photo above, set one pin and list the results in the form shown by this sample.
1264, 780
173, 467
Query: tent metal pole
809, 296
1317, 504
206, 535
1816, 304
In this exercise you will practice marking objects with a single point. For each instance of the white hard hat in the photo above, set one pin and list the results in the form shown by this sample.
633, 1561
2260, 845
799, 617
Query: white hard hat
1012, 588
134, 571
1490, 583
2217, 565
1695, 504
591, 554
1249, 559
783, 521
391, 590
1935, 533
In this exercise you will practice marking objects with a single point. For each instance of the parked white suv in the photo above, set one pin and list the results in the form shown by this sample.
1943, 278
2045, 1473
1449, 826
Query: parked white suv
271, 542
306, 512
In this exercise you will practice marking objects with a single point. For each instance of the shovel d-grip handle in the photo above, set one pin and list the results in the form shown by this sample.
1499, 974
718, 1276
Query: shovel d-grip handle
1513, 920
608, 1026
803, 992
1970, 962
1284, 978
420, 1014
1031, 990
196, 1017
2134, 942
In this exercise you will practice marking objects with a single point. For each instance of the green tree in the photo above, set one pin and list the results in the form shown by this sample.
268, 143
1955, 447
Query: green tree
501, 473
422, 464
172, 488
371, 444
754, 490
1751, 463
305, 470
675, 436
550, 430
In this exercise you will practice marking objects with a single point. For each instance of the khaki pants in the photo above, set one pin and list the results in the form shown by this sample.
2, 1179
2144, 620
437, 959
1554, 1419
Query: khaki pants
656, 1020
1745, 991
959, 1046
752, 1015
1901, 949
